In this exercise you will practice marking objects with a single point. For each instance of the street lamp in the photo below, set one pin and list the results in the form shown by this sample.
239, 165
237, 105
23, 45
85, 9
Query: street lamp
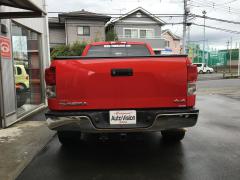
204, 34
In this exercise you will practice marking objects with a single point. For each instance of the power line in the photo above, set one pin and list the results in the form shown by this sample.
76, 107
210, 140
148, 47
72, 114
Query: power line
231, 1
216, 19
214, 5
181, 15
62, 12
217, 28
102, 25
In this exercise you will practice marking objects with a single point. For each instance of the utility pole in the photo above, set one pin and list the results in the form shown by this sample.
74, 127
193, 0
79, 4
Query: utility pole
204, 35
239, 61
184, 27
188, 36
230, 57
226, 56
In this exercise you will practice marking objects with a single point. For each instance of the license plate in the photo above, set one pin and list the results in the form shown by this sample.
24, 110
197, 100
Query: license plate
123, 117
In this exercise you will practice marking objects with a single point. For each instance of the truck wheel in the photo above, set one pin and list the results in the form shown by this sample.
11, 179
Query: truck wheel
208, 71
173, 135
200, 72
69, 137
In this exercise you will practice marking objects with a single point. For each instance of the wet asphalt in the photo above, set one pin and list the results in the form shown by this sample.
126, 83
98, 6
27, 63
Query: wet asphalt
210, 150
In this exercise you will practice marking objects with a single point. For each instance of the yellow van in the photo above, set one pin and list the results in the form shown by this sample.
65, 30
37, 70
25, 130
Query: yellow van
21, 76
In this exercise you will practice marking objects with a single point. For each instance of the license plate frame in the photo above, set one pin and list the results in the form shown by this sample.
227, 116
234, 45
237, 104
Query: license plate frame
122, 117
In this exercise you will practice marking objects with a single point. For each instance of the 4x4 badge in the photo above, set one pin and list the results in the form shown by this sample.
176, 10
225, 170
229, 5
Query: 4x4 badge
179, 100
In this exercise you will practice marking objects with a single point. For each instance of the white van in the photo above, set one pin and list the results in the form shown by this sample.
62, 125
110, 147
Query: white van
203, 68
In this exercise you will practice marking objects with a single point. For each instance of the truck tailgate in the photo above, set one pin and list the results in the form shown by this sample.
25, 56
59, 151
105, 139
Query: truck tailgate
120, 83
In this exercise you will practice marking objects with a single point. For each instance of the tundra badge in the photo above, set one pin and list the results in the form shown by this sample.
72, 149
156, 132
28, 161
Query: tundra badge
73, 103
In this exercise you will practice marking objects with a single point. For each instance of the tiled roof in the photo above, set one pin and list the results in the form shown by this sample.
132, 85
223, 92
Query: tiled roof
85, 14
174, 36
155, 18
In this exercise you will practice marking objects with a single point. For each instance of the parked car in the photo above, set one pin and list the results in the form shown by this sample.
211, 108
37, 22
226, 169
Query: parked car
203, 68
121, 87
21, 76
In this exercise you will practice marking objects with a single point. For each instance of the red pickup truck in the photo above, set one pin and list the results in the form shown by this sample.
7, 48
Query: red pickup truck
121, 87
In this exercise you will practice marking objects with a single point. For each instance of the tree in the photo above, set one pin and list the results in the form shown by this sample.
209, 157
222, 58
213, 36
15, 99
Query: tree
111, 35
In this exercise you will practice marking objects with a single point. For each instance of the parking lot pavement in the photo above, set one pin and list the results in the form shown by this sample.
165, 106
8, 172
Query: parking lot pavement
212, 76
210, 150
19, 144
226, 87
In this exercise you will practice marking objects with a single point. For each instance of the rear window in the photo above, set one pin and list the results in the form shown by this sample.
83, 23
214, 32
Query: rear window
116, 50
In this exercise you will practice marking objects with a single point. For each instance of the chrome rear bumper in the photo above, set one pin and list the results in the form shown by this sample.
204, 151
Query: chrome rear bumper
89, 122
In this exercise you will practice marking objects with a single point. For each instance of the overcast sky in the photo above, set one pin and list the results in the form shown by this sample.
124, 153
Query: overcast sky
223, 9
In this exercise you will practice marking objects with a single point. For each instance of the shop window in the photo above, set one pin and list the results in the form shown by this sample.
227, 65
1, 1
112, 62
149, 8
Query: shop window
27, 65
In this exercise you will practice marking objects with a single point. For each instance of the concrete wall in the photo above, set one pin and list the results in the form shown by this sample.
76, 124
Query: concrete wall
97, 30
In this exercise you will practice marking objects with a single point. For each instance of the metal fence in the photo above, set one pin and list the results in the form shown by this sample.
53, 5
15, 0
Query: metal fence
226, 60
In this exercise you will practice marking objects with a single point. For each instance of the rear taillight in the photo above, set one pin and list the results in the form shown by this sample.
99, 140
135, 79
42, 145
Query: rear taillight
51, 91
50, 78
192, 73
192, 78
192, 89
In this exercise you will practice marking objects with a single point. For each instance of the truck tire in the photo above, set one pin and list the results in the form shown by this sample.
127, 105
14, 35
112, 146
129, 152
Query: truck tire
173, 135
69, 137
200, 72
208, 71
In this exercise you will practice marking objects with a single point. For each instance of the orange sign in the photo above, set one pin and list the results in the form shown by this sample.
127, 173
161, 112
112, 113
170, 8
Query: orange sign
5, 47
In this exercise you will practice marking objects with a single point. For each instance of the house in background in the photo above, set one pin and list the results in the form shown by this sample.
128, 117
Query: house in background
137, 25
82, 25
172, 43
141, 25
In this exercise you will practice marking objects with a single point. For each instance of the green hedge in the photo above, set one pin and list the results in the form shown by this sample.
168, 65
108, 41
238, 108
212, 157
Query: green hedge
74, 49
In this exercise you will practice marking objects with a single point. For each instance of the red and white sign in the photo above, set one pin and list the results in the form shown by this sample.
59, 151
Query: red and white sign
5, 45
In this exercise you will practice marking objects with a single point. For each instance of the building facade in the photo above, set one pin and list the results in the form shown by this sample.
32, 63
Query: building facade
24, 56
139, 25
80, 26
172, 43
